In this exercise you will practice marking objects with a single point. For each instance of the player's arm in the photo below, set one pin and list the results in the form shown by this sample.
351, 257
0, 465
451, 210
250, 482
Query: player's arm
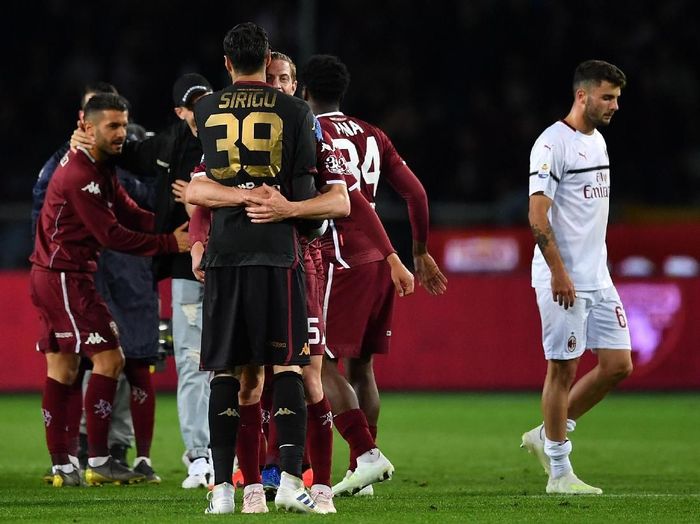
406, 183
203, 191
102, 223
129, 214
200, 223
563, 290
332, 202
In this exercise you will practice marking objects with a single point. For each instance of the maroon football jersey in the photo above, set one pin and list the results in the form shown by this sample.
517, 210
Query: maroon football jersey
369, 153
85, 209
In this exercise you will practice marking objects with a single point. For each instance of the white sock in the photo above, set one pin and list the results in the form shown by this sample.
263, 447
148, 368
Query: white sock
96, 462
570, 425
66, 468
369, 456
558, 453
142, 459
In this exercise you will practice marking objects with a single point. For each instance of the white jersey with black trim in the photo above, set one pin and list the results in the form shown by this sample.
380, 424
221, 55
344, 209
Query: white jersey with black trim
573, 169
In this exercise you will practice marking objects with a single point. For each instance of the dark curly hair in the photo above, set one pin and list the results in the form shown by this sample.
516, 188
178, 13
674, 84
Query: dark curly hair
326, 78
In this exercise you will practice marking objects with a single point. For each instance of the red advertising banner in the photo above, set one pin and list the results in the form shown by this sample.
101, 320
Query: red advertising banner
484, 333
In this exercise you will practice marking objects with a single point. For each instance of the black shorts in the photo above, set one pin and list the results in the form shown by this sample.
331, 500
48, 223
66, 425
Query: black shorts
254, 315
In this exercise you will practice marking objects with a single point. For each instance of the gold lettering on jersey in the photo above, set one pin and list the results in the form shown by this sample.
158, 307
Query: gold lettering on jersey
225, 100
243, 99
272, 143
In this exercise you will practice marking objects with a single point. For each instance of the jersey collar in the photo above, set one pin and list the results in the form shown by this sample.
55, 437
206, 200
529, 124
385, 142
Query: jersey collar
332, 113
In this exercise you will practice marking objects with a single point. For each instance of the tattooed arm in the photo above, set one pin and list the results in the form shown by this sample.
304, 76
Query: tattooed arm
562, 287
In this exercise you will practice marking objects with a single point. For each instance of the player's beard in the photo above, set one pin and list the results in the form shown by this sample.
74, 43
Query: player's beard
597, 118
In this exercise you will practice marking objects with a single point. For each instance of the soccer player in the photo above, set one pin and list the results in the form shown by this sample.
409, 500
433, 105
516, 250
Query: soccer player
354, 266
331, 203
254, 298
170, 156
579, 306
85, 208
120, 430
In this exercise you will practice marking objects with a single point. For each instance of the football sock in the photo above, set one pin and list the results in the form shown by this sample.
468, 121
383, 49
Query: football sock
99, 399
223, 425
352, 426
53, 406
262, 449
320, 440
369, 456
272, 456
266, 403
249, 431
74, 413
143, 403
289, 414
96, 462
558, 453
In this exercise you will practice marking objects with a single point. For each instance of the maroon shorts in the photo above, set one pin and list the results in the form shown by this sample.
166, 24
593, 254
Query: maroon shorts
358, 309
74, 318
314, 306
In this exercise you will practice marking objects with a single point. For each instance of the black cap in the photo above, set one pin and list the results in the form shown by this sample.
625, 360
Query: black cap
188, 85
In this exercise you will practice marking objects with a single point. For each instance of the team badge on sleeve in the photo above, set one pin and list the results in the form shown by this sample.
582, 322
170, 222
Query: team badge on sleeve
543, 172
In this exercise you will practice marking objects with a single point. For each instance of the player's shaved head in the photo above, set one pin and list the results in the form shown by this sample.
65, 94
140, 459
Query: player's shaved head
104, 102
596, 71
326, 78
246, 46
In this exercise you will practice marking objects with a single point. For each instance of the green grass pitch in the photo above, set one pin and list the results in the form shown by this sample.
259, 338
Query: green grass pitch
456, 456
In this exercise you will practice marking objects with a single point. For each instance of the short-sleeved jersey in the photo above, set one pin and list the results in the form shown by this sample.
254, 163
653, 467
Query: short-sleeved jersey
253, 134
368, 153
573, 169
85, 208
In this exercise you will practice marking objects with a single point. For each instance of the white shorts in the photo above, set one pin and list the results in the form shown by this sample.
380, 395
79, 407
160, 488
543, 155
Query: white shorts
597, 320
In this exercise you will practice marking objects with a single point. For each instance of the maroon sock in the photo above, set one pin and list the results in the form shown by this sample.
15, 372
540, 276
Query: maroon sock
273, 453
262, 450
54, 406
75, 412
247, 446
143, 403
266, 405
319, 440
352, 426
99, 399
373, 432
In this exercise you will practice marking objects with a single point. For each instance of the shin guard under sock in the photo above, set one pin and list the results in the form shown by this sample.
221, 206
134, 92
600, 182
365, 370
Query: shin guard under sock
53, 407
320, 440
99, 399
223, 425
289, 415
248, 452
143, 404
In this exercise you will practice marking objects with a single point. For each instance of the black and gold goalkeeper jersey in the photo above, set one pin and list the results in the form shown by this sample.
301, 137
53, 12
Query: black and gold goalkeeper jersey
252, 134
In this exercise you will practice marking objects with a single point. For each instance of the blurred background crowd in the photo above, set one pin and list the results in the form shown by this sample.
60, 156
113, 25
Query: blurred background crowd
463, 88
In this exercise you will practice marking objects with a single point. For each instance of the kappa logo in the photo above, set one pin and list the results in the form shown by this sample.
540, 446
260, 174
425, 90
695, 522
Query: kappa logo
92, 188
95, 338
229, 412
306, 350
285, 411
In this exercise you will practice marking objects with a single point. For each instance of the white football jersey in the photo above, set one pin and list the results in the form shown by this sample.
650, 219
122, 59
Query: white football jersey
573, 170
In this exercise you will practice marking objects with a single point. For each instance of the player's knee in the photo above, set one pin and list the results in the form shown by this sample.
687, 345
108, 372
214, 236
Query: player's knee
313, 386
619, 371
109, 363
